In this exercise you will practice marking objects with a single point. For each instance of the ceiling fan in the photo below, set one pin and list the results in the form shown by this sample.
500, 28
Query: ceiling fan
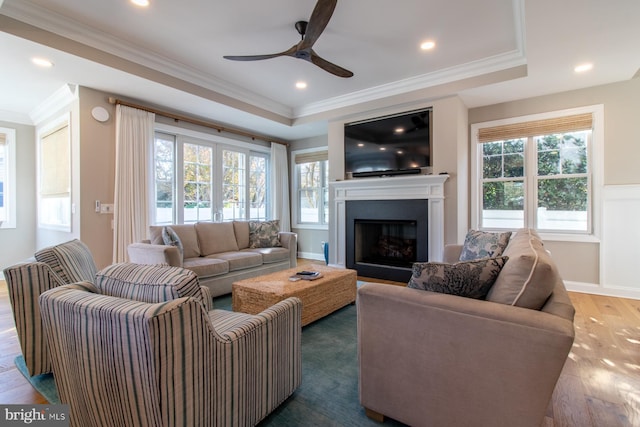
310, 32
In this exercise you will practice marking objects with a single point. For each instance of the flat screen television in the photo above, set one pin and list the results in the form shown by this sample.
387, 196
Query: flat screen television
391, 145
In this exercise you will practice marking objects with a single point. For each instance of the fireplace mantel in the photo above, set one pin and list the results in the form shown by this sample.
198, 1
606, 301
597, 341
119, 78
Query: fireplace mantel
430, 187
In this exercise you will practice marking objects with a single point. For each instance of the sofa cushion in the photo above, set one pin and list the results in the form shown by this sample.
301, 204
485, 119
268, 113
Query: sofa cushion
216, 237
264, 234
471, 279
186, 233
241, 228
148, 283
171, 238
239, 260
480, 244
271, 255
530, 275
71, 261
206, 267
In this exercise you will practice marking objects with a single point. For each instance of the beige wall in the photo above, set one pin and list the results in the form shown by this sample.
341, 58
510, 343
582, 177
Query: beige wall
18, 244
580, 261
97, 175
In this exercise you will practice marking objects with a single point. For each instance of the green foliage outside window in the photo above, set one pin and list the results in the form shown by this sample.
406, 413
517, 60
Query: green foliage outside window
561, 171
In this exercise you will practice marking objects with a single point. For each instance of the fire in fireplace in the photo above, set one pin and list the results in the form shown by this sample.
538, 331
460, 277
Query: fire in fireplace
385, 237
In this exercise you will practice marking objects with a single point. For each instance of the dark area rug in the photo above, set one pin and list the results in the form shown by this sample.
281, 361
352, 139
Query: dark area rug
43, 383
328, 395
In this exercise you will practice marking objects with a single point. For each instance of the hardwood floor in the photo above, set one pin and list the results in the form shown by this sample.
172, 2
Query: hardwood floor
599, 386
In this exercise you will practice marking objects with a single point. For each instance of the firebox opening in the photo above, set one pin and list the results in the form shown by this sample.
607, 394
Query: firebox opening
391, 243
385, 237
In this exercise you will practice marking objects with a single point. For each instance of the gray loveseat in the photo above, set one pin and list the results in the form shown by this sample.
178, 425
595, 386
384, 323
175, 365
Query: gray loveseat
435, 359
220, 253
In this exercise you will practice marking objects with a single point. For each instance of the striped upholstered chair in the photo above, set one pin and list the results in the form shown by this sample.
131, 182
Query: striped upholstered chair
129, 363
53, 266
151, 283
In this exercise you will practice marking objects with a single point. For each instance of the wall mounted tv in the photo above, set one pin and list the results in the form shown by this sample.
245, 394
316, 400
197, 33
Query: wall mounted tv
391, 145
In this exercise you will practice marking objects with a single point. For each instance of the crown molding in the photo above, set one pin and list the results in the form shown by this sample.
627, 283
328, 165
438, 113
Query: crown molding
60, 99
473, 69
56, 23
515, 58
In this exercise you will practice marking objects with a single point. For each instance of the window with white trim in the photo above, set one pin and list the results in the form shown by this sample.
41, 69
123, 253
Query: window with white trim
198, 180
311, 184
535, 172
7, 178
54, 159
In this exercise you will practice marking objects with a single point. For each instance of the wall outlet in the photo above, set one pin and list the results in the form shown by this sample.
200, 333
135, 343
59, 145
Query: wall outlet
106, 208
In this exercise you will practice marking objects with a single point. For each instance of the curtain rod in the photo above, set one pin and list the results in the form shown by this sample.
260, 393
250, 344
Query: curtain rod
191, 120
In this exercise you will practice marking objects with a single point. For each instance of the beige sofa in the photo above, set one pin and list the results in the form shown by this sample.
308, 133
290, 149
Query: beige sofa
435, 359
218, 252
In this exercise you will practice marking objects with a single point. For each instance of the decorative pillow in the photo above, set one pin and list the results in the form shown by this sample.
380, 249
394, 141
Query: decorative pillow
264, 234
471, 279
169, 237
529, 278
480, 244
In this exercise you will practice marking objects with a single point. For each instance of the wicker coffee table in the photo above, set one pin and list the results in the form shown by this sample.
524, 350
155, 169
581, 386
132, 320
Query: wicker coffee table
335, 289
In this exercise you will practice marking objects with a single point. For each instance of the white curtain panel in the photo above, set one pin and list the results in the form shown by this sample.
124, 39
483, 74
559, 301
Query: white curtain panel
134, 135
280, 186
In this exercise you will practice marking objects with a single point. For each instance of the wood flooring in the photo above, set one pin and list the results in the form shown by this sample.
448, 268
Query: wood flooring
599, 386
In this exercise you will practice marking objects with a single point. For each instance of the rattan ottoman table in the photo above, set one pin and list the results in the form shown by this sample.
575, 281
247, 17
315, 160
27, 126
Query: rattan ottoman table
335, 289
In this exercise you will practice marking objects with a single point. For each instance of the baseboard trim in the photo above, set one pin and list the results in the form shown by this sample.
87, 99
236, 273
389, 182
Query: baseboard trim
592, 288
311, 255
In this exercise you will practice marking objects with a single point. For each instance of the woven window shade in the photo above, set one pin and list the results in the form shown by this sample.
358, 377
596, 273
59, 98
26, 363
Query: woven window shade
3, 138
537, 127
315, 156
55, 168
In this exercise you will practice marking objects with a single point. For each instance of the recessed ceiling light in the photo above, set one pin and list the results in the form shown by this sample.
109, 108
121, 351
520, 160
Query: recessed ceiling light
399, 130
428, 45
301, 85
360, 144
142, 3
583, 67
42, 62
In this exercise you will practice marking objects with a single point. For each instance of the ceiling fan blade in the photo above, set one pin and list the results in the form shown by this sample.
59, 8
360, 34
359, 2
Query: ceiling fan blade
288, 52
317, 23
329, 67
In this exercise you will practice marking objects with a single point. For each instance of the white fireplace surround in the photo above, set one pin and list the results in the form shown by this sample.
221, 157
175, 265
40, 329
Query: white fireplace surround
430, 187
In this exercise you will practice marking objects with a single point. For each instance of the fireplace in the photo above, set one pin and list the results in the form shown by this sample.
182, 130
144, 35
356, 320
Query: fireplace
385, 237
428, 190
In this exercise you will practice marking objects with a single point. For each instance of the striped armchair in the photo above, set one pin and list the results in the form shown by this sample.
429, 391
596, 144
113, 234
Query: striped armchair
53, 266
151, 283
130, 363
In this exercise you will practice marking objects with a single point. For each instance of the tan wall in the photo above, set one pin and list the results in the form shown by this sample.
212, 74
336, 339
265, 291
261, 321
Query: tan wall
579, 261
97, 174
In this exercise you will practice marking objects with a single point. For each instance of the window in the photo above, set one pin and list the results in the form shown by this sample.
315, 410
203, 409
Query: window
311, 183
536, 172
7, 178
197, 166
54, 210
217, 182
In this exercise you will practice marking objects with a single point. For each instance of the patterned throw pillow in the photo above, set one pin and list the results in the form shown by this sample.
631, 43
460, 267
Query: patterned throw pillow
264, 234
169, 237
471, 279
480, 244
